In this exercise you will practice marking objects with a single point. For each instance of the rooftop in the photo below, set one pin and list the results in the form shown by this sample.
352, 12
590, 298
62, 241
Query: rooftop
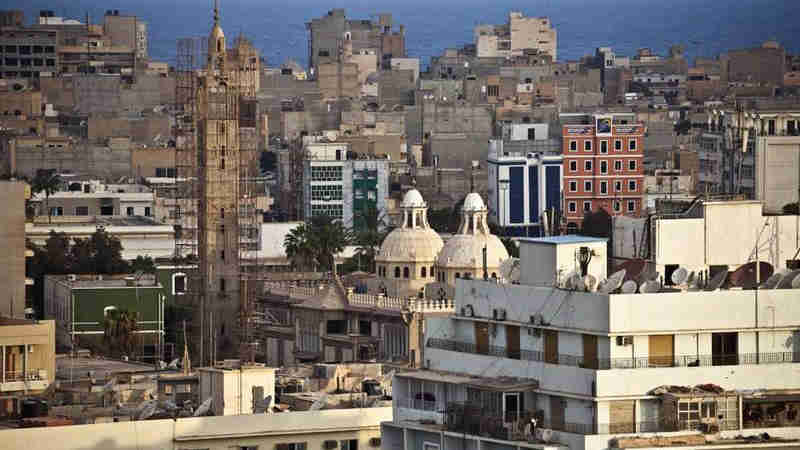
564, 239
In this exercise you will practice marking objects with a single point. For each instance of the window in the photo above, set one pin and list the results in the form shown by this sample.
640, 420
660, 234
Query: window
604, 187
618, 145
106, 210
631, 205
326, 173
632, 165
573, 207
617, 206
423, 272
430, 446
618, 165
603, 146
222, 163
587, 186
178, 283
81, 210
222, 284
222, 254
56, 211
431, 272
632, 144
618, 186
587, 146
397, 272
336, 327
632, 186
587, 206
334, 210
493, 90
248, 447
147, 211
291, 446
573, 146
587, 165
531, 134
129, 211
573, 166
603, 166
405, 272
329, 192
350, 444
573, 186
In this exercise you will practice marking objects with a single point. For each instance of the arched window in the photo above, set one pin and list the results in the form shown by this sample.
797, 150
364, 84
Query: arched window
178, 283
432, 272
397, 272
424, 273
405, 272
458, 275
494, 274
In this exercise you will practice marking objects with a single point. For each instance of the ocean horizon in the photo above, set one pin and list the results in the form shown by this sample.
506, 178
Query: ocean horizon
705, 27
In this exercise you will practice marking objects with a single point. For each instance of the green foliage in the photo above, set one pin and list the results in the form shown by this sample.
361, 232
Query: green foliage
47, 181
313, 245
119, 332
368, 238
791, 208
511, 247
446, 220
268, 161
143, 264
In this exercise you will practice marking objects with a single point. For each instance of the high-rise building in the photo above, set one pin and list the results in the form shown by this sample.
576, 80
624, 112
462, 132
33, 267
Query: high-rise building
12, 240
603, 165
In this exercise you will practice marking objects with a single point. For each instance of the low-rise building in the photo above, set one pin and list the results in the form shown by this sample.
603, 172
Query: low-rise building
236, 388
28, 358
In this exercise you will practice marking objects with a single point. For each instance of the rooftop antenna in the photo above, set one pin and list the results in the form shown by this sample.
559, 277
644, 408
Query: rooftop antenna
612, 283
679, 276
650, 287
204, 407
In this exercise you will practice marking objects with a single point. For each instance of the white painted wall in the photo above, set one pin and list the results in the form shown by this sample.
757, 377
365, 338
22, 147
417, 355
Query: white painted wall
543, 262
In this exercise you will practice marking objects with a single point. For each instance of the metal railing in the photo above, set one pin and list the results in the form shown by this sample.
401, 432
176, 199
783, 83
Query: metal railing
644, 362
18, 375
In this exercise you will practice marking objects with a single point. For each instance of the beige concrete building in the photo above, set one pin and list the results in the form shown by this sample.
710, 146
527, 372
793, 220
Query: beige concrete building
520, 33
237, 388
346, 429
12, 240
27, 359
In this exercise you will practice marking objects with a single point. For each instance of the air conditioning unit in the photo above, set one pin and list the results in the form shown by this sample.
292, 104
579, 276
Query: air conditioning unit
624, 340
375, 442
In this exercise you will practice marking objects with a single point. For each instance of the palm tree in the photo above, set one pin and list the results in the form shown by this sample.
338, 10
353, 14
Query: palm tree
369, 236
299, 248
119, 331
328, 237
47, 181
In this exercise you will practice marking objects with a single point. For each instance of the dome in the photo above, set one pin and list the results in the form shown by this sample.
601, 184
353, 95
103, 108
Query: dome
465, 251
473, 202
410, 245
413, 199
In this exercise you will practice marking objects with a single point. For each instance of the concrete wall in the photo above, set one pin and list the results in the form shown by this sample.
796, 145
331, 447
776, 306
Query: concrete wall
140, 129
217, 433
12, 240
396, 87
42, 336
777, 171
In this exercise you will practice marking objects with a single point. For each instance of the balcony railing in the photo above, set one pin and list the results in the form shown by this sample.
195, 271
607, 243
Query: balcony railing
645, 362
18, 375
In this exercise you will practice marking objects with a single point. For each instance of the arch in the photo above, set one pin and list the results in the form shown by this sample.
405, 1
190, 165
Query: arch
107, 310
423, 273
397, 272
178, 283
494, 275
432, 272
458, 275
405, 272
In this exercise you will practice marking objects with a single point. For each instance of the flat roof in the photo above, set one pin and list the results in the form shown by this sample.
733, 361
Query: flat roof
565, 239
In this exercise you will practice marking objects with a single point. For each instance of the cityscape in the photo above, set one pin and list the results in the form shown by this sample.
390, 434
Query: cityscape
362, 239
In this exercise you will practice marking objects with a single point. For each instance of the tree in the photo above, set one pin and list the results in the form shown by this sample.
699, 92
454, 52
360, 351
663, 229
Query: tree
101, 254
119, 331
368, 237
268, 161
143, 264
316, 243
47, 181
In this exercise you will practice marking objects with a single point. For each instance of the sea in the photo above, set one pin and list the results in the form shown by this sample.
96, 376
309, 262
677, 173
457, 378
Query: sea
277, 27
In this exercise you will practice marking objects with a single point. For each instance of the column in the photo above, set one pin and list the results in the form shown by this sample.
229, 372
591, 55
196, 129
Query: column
3, 348
25, 362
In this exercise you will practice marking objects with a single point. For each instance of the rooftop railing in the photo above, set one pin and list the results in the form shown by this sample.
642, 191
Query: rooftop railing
643, 362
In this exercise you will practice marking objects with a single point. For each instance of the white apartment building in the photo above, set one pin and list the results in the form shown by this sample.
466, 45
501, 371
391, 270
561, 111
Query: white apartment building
591, 367
520, 33
341, 186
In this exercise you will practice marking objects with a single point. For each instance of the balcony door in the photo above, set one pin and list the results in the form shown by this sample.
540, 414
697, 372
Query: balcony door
550, 346
512, 406
557, 412
512, 342
662, 350
725, 349
482, 338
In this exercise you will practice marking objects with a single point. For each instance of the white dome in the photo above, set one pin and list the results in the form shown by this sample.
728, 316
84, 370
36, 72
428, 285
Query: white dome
465, 251
473, 202
408, 245
413, 199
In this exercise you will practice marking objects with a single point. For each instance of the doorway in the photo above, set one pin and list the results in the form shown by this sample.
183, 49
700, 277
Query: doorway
725, 349
482, 338
512, 342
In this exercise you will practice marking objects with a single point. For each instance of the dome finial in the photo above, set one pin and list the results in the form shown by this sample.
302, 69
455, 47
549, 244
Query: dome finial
216, 12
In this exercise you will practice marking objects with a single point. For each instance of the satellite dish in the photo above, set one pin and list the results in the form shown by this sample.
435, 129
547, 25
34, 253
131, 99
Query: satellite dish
786, 281
612, 283
745, 276
717, 281
773, 281
203, 409
796, 282
575, 282
148, 410
319, 403
650, 287
174, 364
629, 287
589, 283
679, 276
509, 269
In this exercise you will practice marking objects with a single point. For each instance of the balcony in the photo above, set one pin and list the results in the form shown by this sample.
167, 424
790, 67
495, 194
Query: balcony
645, 362
19, 380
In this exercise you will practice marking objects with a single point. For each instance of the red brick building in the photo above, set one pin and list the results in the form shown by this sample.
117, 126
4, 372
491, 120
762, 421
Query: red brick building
603, 165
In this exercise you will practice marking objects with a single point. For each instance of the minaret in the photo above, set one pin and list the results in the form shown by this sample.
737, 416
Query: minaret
216, 43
